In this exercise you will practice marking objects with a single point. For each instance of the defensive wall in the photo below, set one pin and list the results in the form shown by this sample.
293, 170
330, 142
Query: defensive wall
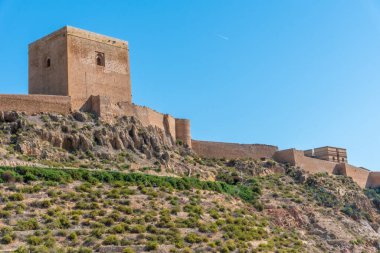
361, 176
373, 180
220, 150
297, 158
35, 103
178, 129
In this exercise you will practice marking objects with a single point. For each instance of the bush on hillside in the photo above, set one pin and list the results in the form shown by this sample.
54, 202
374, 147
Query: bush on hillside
249, 192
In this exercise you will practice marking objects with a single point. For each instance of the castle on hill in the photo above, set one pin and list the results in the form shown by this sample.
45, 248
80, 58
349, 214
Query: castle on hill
77, 70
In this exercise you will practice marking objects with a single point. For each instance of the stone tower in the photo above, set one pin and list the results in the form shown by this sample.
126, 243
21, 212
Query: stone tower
77, 63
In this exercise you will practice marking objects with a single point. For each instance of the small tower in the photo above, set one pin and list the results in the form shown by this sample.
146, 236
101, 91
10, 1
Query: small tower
77, 63
332, 154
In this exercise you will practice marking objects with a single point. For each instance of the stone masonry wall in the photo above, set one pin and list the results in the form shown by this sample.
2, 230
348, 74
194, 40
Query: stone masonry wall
314, 165
86, 78
44, 79
232, 150
359, 175
285, 156
35, 103
151, 117
373, 180
182, 128
297, 158
65, 63
362, 177
102, 106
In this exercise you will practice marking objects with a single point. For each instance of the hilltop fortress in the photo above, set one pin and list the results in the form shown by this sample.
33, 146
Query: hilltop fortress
72, 69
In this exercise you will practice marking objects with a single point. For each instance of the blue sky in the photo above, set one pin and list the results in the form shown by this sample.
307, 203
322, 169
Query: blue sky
295, 73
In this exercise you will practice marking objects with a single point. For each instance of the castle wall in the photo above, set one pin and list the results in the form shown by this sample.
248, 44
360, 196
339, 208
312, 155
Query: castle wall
170, 125
297, 158
44, 79
102, 106
148, 116
182, 128
373, 180
35, 103
359, 175
285, 156
314, 165
87, 78
362, 177
232, 150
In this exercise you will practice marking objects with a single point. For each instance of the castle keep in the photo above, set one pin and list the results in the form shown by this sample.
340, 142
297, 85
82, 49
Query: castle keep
80, 64
73, 69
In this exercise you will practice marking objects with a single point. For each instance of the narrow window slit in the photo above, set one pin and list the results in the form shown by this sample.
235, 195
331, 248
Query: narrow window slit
100, 61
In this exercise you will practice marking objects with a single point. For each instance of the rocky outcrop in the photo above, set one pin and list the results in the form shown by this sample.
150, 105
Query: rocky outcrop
39, 134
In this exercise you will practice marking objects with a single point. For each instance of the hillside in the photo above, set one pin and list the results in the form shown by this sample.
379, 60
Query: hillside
76, 184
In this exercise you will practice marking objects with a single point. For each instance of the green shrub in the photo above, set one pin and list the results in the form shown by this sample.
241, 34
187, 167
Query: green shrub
63, 222
138, 229
42, 204
151, 245
16, 197
30, 224
374, 196
22, 249
193, 238
111, 240
73, 237
34, 240
323, 197
119, 228
128, 250
355, 212
248, 193
8, 176
84, 250
97, 232
5, 214
6, 239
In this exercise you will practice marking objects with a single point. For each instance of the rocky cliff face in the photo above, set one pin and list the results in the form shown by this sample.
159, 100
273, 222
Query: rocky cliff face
65, 139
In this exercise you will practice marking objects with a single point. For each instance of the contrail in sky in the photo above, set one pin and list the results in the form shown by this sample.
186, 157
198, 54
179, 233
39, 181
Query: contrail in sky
222, 37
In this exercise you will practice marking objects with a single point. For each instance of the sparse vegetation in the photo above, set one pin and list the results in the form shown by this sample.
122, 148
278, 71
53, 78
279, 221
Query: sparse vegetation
102, 204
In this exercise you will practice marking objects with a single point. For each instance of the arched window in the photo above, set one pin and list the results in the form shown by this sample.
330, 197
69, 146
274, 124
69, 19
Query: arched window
48, 62
100, 61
